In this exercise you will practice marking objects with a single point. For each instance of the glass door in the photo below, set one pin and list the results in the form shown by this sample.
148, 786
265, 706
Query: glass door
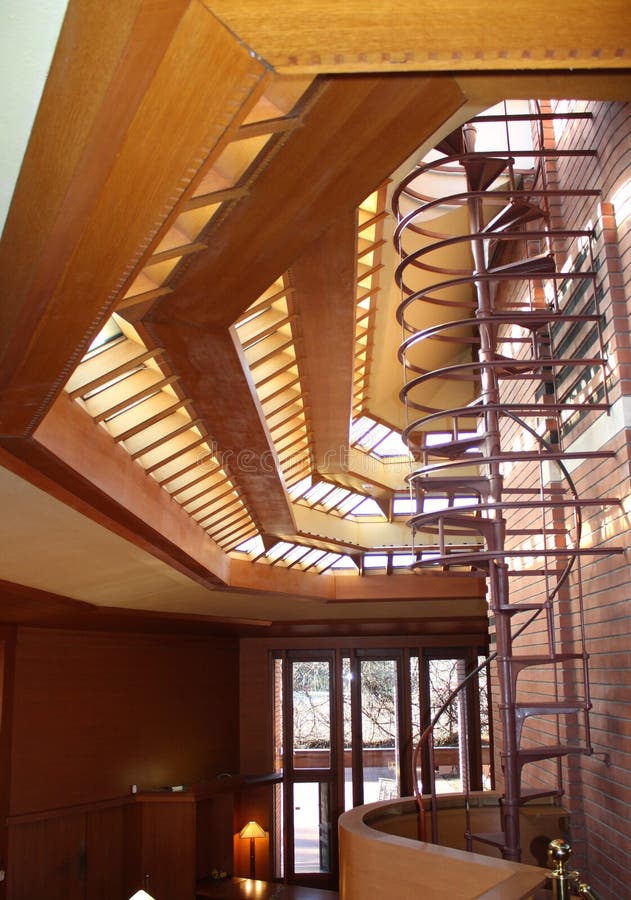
307, 722
457, 747
379, 728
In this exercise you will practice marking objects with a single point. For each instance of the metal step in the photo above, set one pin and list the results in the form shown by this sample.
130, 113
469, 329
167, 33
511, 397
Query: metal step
519, 663
492, 838
543, 264
452, 145
514, 608
529, 794
514, 214
456, 522
460, 484
483, 170
456, 448
536, 754
524, 711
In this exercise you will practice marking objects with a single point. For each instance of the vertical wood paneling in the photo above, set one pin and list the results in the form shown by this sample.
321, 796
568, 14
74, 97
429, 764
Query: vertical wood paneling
105, 849
47, 859
95, 713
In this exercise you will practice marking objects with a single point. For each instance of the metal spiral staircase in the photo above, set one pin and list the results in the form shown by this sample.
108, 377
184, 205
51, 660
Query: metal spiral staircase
492, 311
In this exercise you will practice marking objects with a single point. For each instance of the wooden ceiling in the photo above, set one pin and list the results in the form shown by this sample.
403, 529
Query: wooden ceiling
186, 157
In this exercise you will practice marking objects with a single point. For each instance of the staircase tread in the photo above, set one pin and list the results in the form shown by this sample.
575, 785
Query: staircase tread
496, 838
521, 607
482, 170
543, 658
551, 752
514, 213
543, 263
529, 794
573, 704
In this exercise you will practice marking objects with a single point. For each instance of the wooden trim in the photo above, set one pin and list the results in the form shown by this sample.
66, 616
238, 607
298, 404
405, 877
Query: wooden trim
153, 420
372, 247
176, 252
211, 502
224, 196
169, 459
259, 384
110, 375
144, 297
263, 359
378, 217
194, 465
261, 335
168, 436
280, 125
122, 405
338, 38
197, 480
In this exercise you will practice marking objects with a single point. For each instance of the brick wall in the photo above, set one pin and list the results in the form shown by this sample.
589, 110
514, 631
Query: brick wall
598, 787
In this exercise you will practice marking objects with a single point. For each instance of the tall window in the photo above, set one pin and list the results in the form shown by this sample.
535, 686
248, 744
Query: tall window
345, 727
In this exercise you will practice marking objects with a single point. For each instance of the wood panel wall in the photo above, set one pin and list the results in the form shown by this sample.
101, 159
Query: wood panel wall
95, 713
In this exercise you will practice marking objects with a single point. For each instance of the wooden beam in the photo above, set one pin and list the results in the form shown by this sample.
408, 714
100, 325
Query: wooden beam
223, 196
30, 606
77, 462
99, 178
112, 374
144, 297
175, 252
268, 126
188, 426
329, 36
212, 369
324, 279
430, 586
122, 405
311, 179
153, 420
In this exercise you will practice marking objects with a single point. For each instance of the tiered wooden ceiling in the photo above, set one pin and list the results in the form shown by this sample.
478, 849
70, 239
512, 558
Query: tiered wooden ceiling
197, 349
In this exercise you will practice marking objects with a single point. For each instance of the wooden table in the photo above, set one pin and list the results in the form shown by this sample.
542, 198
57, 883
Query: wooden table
252, 889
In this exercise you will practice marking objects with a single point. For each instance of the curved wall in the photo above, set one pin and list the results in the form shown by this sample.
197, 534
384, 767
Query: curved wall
377, 862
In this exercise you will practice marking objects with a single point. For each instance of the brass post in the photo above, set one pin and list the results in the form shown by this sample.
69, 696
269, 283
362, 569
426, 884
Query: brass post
564, 880
559, 852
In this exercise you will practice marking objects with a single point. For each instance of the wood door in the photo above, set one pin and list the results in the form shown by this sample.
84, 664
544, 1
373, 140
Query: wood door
47, 859
105, 854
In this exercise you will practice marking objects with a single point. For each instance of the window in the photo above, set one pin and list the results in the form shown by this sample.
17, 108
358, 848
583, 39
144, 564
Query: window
350, 720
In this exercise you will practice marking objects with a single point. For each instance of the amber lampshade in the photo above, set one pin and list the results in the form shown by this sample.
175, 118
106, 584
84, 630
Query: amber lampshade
252, 830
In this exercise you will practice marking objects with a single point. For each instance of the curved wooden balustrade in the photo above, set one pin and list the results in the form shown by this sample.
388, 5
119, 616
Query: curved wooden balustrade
381, 857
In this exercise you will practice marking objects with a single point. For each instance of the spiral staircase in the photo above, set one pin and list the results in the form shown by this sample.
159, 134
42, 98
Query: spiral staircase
503, 355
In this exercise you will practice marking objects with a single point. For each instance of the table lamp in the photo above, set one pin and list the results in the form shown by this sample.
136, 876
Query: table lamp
252, 831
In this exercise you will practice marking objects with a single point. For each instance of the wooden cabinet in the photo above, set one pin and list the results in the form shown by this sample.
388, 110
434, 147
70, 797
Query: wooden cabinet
164, 840
47, 859
160, 851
